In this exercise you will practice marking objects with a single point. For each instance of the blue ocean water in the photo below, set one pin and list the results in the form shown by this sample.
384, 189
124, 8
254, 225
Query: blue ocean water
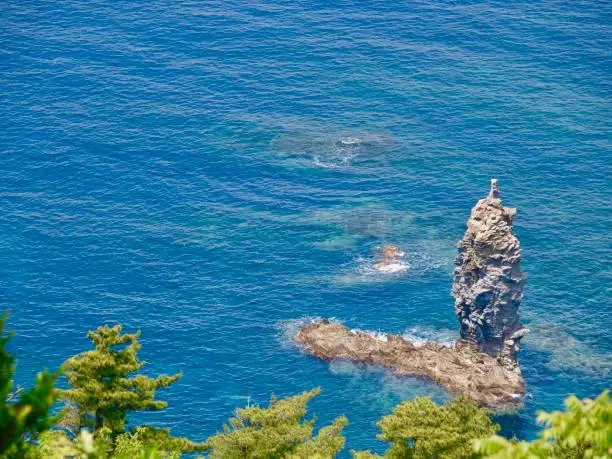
179, 167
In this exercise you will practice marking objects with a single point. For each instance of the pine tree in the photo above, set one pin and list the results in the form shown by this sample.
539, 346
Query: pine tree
105, 389
421, 429
277, 431
103, 385
23, 414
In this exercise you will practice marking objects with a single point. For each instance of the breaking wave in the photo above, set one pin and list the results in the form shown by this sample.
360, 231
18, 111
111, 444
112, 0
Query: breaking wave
362, 270
419, 336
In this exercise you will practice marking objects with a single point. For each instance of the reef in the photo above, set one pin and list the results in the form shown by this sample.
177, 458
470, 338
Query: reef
487, 286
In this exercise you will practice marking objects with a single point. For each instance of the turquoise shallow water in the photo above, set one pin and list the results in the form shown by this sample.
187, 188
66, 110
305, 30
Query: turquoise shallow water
178, 167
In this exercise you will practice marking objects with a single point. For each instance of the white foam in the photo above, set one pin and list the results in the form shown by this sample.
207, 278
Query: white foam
371, 267
391, 268
379, 336
350, 141
419, 336
367, 273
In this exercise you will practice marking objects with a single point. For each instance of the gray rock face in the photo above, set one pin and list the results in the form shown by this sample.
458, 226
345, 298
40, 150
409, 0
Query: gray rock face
488, 281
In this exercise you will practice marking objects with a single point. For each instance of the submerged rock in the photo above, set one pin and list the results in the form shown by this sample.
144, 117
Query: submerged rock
391, 251
488, 282
488, 286
460, 370
391, 260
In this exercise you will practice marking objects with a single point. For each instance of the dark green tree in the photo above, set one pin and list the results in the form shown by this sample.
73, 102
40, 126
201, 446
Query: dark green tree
278, 431
421, 429
105, 388
23, 414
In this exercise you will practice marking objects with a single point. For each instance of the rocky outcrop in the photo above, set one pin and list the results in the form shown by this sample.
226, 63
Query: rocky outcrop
488, 281
391, 259
460, 370
488, 287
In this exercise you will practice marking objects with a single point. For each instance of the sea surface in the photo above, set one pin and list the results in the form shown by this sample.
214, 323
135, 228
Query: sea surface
216, 173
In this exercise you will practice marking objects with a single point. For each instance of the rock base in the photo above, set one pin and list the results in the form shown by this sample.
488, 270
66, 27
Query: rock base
461, 370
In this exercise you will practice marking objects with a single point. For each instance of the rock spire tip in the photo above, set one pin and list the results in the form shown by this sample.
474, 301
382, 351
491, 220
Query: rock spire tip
494, 193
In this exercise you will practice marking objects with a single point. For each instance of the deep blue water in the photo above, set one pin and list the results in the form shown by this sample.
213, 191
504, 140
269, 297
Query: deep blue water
176, 166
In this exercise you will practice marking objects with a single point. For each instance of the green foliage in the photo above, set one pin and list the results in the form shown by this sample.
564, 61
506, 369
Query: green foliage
583, 430
28, 415
129, 445
421, 429
149, 440
278, 431
55, 444
104, 389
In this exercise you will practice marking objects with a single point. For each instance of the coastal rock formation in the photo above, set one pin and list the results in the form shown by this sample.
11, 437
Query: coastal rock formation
488, 287
488, 281
460, 370
391, 259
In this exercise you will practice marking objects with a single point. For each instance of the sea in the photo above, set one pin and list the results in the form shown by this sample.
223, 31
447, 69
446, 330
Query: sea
218, 173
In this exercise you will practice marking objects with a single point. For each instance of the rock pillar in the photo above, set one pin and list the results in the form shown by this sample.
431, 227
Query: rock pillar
488, 281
